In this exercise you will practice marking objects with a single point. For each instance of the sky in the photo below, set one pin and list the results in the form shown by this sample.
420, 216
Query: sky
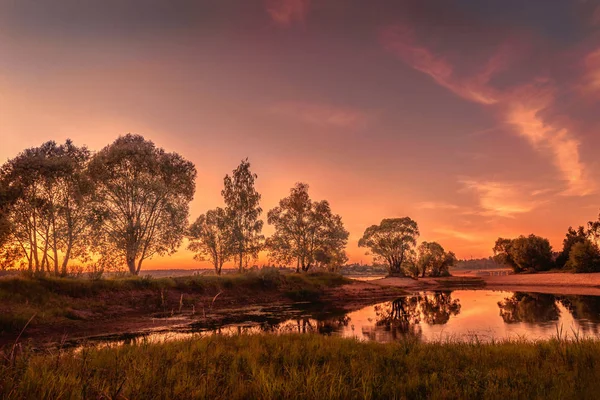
476, 118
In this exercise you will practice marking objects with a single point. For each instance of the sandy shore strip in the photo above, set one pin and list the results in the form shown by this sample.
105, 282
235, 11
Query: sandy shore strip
557, 283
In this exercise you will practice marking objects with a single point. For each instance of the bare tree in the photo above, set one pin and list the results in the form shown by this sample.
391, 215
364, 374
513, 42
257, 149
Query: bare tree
142, 200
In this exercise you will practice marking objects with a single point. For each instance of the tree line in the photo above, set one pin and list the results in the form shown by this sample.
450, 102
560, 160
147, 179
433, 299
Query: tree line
580, 251
61, 204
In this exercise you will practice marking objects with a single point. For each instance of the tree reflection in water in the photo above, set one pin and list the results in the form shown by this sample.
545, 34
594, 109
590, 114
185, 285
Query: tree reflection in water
585, 309
401, 318
309, 325
530, 308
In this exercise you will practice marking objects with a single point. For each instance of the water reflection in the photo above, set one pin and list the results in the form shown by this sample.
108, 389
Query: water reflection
402, 317
530, 308
458, 315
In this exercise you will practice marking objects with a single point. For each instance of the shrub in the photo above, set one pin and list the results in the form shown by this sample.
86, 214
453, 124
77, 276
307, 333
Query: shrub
584, 257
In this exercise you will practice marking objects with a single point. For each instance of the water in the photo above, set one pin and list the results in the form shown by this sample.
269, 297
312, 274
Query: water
463, 315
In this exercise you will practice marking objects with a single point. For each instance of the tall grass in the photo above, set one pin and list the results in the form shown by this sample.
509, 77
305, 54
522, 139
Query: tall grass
308, 367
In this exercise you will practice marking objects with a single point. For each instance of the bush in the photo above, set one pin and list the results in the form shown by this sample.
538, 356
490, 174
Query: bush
525, 253
584, 257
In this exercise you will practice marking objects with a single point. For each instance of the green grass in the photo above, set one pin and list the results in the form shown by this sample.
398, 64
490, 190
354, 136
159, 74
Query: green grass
308, 367
58, 300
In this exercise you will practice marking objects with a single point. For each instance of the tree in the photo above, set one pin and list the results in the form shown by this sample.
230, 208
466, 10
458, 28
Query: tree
7, 252
306, 231
594, 230
525, 253
330, 258
584, 257
141, 201
434, 260
391, 241
242, 204
49, 209
572, 238
210, 237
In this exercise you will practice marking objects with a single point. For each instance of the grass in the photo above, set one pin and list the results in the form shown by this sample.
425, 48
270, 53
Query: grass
307, 367
66, 300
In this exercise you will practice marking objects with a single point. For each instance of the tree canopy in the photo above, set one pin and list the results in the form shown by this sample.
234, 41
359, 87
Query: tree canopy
242, 205
306, 231
584, 257
211, 239
141, 200
45, 207
572, 237
525, 253
391, 241
433, 260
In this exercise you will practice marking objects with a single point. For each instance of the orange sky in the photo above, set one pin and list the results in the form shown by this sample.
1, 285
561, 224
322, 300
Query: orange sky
477, 120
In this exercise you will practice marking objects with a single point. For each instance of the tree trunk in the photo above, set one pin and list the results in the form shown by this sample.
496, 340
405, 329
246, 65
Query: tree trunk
66, 261
131, 265
139, 266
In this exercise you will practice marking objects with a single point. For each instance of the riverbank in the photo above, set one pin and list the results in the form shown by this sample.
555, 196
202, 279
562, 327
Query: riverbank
52, 309
547, 282
307, 367
73, 309
541, 282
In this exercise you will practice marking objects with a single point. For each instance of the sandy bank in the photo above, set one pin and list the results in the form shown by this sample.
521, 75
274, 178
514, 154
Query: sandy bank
558, 283
563, 283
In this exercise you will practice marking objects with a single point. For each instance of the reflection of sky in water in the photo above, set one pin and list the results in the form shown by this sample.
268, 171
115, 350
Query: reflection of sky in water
466, 315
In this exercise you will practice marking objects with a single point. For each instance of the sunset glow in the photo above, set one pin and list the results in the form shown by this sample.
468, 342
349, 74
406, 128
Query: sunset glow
477, 119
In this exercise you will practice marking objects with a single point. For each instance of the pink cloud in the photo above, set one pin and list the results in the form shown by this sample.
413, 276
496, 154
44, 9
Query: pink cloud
322, 114
522, 106
592, 74
501, 199
287, 12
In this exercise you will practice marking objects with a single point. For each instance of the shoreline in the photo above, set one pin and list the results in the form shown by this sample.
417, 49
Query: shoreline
132, 309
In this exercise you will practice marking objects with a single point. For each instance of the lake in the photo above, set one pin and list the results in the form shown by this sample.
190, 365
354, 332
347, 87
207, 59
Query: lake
462, 315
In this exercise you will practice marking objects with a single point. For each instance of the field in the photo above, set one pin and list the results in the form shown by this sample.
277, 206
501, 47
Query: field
306, 367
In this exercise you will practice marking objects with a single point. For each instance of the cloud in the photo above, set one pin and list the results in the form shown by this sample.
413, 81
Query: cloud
501, 199
322, 114
465, 236
401, 41
287, 12
592, 74
523, 106
434, 205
